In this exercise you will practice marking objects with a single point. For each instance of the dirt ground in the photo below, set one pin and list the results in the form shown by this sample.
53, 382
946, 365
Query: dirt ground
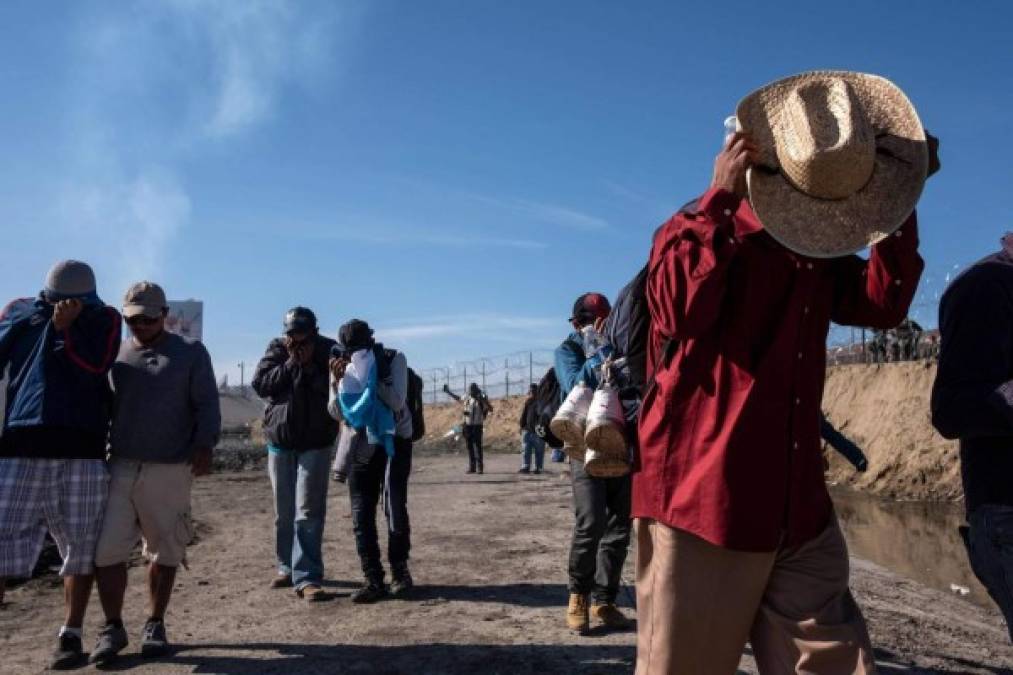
489, 560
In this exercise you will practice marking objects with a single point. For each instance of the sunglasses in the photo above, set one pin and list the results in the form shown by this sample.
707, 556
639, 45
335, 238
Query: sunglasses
142, 320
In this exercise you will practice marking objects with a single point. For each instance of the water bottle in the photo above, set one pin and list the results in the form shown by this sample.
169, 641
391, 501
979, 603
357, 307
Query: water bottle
593, 341
731, 126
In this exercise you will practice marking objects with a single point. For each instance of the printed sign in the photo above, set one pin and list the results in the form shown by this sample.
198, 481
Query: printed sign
186, 318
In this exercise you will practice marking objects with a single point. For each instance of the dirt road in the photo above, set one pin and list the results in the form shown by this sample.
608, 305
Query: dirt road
489, 558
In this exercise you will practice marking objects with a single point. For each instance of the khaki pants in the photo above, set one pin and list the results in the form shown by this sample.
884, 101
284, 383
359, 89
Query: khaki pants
698, 604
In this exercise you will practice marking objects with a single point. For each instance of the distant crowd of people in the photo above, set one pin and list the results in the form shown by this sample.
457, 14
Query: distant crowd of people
689, 409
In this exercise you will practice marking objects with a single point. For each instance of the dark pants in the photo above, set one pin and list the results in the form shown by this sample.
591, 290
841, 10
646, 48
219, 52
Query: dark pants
365, 486
990, 548
601, 534
473, 437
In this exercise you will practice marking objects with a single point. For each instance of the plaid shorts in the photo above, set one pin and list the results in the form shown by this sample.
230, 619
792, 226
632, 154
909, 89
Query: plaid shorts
65, 496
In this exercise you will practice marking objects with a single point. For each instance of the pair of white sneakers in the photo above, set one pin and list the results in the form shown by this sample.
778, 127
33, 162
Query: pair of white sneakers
592, 427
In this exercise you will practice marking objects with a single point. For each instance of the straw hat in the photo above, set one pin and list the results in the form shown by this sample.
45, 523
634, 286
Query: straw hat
842, 160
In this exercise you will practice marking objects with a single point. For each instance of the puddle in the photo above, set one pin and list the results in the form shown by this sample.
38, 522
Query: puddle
918, 540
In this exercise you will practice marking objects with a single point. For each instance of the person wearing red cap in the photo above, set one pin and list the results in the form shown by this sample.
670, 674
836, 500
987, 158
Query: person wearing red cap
601, 531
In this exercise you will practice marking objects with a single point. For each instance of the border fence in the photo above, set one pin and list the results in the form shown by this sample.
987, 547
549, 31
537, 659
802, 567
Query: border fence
499, 376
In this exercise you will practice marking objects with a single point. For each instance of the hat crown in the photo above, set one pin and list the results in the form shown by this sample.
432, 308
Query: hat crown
826, 145
70, 278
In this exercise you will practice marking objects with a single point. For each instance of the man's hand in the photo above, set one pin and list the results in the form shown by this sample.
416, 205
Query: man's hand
338, 367
200, 463
731, 163
934, 164
65, 313
446, 389
305, 352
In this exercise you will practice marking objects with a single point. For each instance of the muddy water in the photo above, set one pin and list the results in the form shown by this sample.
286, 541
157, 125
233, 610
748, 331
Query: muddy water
918, 540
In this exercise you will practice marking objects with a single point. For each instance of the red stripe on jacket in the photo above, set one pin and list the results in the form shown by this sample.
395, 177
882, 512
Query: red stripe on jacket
110, 341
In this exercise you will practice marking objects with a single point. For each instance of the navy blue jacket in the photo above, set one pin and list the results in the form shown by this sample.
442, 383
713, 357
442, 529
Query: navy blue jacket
58, 393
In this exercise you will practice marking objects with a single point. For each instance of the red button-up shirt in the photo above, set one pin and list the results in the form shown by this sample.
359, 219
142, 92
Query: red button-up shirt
730, 432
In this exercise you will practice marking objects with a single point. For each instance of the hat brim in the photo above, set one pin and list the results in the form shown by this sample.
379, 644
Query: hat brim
825, 228
130, 311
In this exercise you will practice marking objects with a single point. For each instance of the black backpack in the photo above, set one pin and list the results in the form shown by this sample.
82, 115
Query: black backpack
547, 401
415, 385
548, 398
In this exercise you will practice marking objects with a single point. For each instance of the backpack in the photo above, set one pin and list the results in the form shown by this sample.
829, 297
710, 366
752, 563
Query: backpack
413, 398
548, 398
415, 406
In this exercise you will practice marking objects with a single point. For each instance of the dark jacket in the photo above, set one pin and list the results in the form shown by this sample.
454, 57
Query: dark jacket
972, 398
296, 417
528, 418
58, 394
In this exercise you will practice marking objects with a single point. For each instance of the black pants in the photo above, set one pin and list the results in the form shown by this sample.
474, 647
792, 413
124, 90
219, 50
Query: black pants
473, 437
601, 534
365, 486
989, 542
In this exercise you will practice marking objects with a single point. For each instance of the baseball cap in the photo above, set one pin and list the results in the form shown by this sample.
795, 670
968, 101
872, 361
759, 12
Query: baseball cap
145, 298
589, 307
300, 320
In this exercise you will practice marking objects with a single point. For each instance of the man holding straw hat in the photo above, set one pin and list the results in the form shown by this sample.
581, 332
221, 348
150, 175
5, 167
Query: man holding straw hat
736, 534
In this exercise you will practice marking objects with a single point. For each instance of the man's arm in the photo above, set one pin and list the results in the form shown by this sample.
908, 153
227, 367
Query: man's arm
448, 392
394, 394
91, 342
688, 271
10, 318
205, 402
877, 293
973, 393
275, 374
569, 366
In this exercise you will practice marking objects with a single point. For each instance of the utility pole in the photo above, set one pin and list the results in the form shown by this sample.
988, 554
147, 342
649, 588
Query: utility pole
242, 378
507, 383
434, 388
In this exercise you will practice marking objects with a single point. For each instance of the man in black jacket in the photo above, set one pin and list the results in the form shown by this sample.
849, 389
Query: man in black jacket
972, 400
293, 379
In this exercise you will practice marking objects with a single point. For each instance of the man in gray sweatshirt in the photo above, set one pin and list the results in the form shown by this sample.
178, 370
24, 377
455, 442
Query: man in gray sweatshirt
166, 421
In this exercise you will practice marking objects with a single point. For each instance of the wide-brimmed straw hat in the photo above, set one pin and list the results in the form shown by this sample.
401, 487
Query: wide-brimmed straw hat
842, 160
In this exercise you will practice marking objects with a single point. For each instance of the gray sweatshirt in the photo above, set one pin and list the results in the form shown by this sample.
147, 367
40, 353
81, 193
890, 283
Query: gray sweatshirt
166, 401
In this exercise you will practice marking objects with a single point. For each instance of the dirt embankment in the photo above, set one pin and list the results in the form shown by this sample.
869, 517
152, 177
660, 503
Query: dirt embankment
885, 410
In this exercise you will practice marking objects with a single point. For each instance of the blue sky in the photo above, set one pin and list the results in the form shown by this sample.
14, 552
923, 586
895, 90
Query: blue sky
453, 172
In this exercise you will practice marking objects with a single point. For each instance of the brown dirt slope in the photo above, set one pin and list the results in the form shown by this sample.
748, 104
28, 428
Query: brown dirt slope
885, 410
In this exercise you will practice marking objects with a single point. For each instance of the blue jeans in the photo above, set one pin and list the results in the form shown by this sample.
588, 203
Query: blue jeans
989, 543
532, 444
299, 480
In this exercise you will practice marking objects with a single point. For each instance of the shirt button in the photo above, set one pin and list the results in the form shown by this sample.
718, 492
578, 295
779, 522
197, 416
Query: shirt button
800, 356
728, 212
805, 310
809, 266
897, 282
798, 401
796, 445
897, 233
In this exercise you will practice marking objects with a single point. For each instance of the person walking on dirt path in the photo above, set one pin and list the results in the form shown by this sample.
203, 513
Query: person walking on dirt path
166, 422
293, 378
376, 467
531, 444
972, 400
475, 408
737, 539
601, 529
56, 351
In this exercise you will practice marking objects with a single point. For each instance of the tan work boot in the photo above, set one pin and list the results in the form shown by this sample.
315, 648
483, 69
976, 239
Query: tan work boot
312, 593
576, 614
610, 616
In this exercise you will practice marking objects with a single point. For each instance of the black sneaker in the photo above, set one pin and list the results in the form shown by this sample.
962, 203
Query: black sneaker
369, 593
154, 642
69, 653
111, 642
402, 583
524, 469
536, 471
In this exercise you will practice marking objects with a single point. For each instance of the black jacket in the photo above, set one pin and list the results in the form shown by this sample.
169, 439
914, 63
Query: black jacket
528, 419
296, 417
972, 398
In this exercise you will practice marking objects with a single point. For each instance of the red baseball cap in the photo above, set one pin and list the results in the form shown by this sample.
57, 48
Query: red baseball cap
589, 307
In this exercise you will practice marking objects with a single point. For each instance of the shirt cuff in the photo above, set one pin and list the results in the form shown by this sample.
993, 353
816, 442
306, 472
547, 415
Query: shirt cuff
720, 205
